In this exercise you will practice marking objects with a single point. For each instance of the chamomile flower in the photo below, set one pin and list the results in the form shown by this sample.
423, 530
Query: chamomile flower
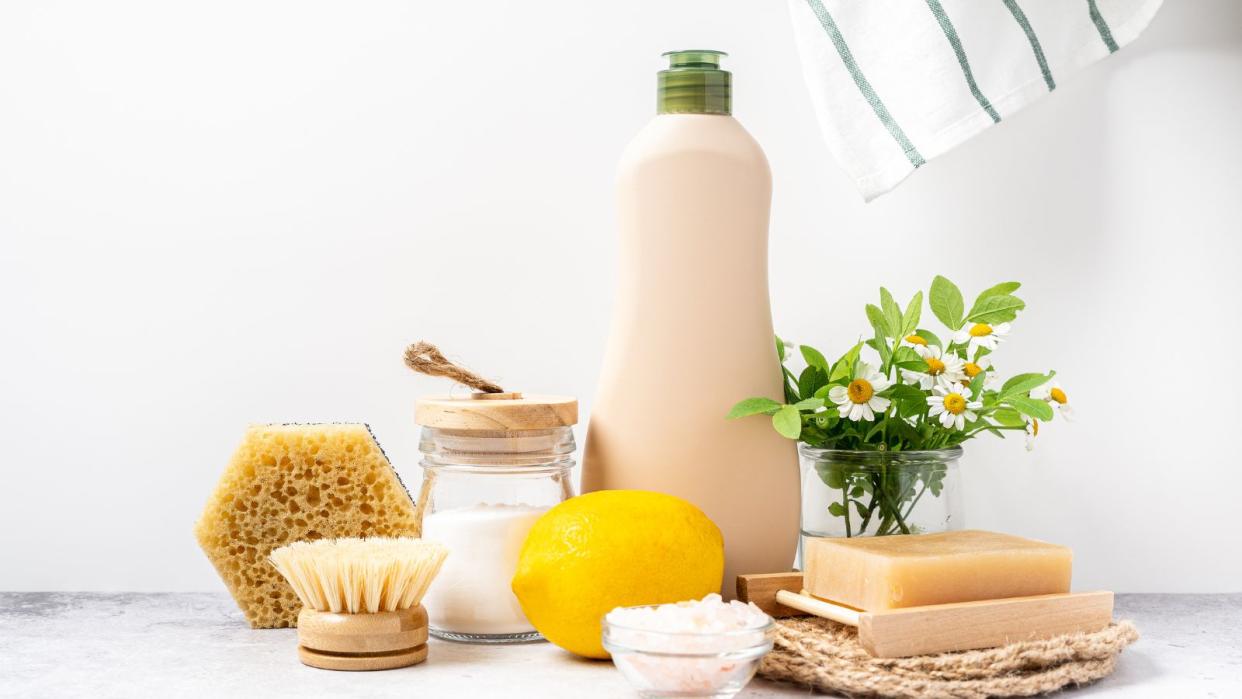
981, 335
942, 369
915, 341
979, 366
952, 404
1032, 431
1055, 395
858, 400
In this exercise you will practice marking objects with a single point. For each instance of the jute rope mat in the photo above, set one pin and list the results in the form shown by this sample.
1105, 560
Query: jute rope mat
826, 656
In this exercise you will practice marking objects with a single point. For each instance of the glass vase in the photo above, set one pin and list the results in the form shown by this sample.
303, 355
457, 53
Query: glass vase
847, 493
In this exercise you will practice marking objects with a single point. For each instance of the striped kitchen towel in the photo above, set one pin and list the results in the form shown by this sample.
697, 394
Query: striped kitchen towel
896, 82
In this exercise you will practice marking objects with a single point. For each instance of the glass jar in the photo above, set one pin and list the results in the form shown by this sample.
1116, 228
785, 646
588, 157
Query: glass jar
848, 493
492, 465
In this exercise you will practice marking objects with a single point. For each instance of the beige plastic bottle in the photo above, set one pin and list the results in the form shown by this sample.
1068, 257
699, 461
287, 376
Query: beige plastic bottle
692, 328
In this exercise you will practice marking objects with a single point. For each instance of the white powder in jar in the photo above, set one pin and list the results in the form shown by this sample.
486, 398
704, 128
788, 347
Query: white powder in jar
471, 595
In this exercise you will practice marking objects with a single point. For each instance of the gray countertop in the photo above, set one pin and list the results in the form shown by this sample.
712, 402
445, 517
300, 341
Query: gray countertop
197, 644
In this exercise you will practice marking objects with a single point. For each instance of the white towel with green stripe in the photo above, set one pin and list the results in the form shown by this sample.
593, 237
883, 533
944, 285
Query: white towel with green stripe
898, 82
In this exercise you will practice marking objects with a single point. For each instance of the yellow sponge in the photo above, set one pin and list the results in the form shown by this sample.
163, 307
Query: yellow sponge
287, 483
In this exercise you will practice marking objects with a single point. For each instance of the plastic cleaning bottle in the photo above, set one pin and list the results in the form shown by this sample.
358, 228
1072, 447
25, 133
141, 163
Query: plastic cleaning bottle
692, 327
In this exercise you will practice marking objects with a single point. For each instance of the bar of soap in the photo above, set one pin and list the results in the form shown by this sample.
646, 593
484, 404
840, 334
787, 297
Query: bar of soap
888, 572
287, 483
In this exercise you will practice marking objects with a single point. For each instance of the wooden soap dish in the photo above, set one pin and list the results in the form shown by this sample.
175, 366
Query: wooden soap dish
937, 628
380, 641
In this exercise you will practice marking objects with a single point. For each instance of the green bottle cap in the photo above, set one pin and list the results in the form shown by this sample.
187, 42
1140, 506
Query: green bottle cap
694, 84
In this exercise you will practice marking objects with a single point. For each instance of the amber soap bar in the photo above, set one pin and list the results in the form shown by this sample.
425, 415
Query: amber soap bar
888, 572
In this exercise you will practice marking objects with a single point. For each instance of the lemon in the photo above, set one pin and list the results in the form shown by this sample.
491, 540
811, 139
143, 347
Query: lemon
613, 548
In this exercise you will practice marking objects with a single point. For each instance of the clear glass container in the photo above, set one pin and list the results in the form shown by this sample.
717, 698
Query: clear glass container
482, 491
848, 493
681, 664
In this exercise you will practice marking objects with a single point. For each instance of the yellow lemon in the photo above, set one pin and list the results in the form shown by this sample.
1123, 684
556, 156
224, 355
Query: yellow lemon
613, 548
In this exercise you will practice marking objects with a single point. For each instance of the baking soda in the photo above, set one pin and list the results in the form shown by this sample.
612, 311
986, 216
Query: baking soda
472, 594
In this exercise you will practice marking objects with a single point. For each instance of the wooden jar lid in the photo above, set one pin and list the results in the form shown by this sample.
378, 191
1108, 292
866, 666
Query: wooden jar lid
496, 412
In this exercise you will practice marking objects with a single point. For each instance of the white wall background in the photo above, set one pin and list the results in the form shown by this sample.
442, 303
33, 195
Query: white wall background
219, 213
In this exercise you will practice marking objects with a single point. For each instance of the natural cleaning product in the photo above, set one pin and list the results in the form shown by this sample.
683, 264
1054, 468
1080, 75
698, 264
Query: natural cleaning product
287, 483
692, 329
476, 604
888, 572
361, 599
492, 464
613, 548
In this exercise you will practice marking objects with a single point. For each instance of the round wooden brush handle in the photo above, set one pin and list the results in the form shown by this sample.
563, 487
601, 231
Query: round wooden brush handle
379, 641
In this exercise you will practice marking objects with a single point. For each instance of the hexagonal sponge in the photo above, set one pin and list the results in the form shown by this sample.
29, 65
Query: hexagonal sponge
291, 482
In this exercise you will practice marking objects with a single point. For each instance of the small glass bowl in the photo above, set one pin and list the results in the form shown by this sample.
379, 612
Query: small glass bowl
680, 664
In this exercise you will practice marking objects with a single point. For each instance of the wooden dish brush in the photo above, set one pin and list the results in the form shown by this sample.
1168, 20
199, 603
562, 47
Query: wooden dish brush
361, 599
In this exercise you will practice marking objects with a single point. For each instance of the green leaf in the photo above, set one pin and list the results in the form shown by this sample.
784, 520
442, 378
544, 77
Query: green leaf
976, 388
878, 321
859, 508
928, 335
831, 473
881, 346
788, 422
996, 309
906, 431
1023, 383
1009, 417
836, 509
790, 388
844, 368
910, 400
810, 381
892, 314
780, 348
907, 354
753, 406
852, 354
914, 311
1030, 407
814, 358
1002, 289
946, 302
907, 358
809, 404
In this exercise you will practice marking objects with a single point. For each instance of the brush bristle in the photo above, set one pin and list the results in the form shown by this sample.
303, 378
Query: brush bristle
358, 576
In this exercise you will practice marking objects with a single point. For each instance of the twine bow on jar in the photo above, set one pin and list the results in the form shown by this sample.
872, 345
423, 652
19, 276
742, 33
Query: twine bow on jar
426, 358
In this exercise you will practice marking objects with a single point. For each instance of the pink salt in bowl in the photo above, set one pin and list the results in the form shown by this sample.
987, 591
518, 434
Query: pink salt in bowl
684, 663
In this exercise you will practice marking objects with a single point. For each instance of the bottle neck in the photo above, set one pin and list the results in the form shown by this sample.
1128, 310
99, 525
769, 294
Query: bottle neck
694, 84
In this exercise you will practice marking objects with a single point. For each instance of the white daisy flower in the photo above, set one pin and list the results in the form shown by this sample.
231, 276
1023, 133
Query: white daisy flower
979, 366
981, 335
1032, 431
915, 341
1055, 395
859, 401
953, 406
942, 369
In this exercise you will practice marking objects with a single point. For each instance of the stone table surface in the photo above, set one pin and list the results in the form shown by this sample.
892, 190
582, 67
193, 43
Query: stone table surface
175, 645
